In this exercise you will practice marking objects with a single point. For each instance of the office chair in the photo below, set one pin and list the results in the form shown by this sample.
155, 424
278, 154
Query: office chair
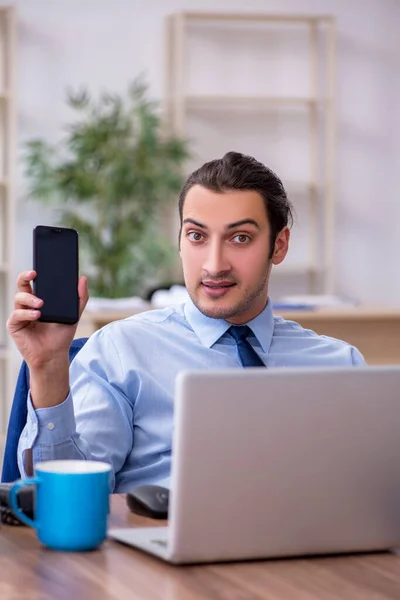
18, 416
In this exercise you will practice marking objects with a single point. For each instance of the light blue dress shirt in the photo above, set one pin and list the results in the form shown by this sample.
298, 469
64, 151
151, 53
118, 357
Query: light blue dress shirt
120, 406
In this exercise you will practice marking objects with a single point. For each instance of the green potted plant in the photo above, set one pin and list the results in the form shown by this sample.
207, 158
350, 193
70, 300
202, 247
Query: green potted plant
112, 176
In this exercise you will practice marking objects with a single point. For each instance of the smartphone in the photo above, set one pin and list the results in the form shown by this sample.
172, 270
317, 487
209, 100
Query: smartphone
55, 260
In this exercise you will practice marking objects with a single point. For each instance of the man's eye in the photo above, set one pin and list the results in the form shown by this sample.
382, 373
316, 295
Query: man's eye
241, 238
195, 236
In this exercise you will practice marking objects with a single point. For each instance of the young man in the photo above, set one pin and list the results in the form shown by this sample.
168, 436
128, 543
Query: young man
115, 403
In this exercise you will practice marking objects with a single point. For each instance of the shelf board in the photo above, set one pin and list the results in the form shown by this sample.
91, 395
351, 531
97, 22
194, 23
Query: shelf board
265, 102
4, 354
300, 269
3, 268
236, 16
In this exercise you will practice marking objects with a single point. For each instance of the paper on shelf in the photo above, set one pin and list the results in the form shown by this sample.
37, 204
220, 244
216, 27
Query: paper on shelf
318, 301
175, 295
122, 304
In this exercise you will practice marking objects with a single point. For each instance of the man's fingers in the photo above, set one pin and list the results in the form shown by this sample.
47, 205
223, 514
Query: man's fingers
19, 318
24, 281
24, 300
83, 294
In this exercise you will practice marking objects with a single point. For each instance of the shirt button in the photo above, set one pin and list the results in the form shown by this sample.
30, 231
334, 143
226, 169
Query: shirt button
50, 426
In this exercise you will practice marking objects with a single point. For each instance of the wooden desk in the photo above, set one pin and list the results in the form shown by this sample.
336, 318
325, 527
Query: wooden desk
375, 331
28, 571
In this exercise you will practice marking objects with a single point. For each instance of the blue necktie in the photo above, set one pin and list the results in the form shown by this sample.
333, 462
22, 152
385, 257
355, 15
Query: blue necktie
248, 356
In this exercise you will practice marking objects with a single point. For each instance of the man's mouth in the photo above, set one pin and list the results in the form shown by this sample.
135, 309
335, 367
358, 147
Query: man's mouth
217, 289
218, 285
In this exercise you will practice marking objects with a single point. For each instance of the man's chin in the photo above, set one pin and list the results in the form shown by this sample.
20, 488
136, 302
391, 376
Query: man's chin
215, 309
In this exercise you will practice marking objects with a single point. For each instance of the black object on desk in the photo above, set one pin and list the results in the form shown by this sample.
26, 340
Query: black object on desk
149, 501
26, 500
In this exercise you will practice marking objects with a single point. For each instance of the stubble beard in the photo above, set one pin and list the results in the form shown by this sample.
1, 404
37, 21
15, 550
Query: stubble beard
228, 312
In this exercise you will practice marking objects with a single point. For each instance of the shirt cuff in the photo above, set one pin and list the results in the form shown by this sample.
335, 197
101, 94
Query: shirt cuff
53, 425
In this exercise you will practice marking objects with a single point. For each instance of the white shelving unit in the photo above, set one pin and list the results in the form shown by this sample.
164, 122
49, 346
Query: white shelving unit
7, 209
209, 61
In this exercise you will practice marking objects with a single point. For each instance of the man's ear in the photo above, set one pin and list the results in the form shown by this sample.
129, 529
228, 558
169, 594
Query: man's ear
281, 246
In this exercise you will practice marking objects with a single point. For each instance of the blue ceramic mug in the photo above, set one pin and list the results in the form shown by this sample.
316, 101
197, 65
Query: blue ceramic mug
72, 501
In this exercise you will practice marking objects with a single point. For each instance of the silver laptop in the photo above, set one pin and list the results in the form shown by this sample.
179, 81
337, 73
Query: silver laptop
280, 462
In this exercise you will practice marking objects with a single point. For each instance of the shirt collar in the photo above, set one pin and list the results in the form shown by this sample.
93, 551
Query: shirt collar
209, 330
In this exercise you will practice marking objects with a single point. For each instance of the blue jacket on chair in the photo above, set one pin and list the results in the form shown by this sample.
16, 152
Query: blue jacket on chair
18, 417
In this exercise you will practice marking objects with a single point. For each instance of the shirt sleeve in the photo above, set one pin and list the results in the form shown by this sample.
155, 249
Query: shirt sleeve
95, 422
357, 357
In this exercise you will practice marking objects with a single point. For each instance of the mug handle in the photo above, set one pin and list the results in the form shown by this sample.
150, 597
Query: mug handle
12, 496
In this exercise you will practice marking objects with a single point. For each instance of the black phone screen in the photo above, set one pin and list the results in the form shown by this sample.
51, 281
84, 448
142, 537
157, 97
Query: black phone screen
55, 260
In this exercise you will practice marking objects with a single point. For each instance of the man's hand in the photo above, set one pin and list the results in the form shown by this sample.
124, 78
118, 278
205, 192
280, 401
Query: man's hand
44, 346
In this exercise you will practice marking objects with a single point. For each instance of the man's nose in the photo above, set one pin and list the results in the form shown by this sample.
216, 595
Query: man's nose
217, 260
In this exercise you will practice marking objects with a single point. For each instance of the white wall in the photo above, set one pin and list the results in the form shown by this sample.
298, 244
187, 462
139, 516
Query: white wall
105, 43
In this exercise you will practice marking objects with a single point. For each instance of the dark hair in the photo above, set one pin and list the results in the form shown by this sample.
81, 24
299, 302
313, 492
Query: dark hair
237, 171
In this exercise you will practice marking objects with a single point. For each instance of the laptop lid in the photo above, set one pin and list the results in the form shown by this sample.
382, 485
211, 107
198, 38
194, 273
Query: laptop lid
282, 462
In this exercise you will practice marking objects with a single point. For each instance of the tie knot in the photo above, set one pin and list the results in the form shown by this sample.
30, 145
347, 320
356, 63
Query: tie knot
239, 333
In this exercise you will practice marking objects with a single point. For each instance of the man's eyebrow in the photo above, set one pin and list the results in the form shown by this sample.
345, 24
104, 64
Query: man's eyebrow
243, 222
193, 222
227, 227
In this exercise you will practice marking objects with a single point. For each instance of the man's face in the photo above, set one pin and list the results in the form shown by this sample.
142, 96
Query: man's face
224, 247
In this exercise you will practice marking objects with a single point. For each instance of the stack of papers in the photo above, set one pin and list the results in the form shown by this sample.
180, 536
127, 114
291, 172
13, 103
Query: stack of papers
116, 304
175, 295
310, 302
